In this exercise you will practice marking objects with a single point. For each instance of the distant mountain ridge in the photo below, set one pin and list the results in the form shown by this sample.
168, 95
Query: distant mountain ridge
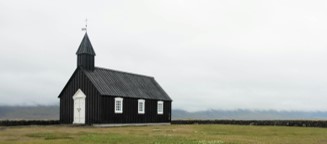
29, 112
52, 113
242, 114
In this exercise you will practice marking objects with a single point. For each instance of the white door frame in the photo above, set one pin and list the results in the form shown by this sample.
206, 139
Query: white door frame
79, 107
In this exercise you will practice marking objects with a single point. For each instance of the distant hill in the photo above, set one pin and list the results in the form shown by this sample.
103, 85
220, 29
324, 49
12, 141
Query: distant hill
249, 115
52, 113
29, 112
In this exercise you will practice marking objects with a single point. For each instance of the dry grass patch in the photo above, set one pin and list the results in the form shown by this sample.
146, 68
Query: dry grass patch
179, 134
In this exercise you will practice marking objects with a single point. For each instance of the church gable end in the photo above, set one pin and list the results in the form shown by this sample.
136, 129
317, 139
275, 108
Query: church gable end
79, 81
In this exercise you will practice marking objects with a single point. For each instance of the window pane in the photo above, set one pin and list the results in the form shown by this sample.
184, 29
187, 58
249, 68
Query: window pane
118, 105
160, 107
140, 106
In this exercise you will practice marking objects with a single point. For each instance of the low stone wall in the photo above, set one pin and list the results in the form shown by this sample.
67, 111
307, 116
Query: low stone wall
300, 123
28, 122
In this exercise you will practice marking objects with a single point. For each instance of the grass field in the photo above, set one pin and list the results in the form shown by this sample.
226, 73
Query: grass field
179, 134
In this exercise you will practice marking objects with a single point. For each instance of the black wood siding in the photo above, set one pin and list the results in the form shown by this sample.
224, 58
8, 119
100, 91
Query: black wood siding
86, 61
92, 101
130, 111
100, 109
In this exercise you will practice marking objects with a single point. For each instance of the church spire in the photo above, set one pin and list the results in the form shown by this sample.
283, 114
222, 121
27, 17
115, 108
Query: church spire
85, 54
85, 47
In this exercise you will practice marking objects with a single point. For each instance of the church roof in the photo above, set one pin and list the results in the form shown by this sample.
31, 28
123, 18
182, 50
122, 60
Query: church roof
116, 83
85, 47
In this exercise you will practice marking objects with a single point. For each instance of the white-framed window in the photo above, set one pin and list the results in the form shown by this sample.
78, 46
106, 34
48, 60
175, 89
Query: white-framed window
160, 107
118, 105
141, 106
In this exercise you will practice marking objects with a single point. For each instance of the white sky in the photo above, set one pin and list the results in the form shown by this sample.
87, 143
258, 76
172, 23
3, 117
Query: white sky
206, 54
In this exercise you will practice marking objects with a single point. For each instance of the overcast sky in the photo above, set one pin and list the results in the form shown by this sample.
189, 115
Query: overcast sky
206, 54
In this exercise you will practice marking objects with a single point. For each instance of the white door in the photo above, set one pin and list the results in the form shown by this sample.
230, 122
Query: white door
79, 107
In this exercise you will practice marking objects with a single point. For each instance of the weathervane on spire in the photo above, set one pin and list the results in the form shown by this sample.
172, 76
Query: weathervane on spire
85, 28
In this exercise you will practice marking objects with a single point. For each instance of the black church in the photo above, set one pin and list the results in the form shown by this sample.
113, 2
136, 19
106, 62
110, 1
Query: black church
95, 95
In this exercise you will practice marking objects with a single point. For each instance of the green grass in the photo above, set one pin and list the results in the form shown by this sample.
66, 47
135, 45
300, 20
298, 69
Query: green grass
173, 134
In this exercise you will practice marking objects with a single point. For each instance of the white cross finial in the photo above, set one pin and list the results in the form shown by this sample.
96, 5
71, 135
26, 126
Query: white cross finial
85, 28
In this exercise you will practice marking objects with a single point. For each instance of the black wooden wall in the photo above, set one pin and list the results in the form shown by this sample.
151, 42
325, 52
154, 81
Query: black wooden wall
130, 111
100, 109
92, 101
86, 61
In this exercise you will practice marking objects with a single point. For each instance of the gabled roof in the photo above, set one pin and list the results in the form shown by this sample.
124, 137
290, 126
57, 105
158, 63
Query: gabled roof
85, 47
116, 83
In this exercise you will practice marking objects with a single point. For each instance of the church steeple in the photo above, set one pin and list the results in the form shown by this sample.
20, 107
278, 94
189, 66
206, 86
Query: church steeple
85, 54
